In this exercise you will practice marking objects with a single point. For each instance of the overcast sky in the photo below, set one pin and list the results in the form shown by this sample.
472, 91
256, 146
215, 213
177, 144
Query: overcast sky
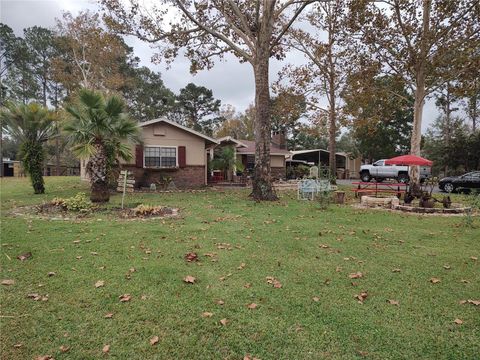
230, 81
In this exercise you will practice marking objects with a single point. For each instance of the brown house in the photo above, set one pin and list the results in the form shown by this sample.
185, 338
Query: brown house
181, 155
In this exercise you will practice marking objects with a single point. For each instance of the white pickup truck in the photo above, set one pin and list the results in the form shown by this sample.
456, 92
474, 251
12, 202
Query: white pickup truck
379, 171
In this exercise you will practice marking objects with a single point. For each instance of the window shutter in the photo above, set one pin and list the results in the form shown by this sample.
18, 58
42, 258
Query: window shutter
182, 156
139, 156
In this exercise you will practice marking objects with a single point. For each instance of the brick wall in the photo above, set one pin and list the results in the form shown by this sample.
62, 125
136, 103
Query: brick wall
189, 177
278, 173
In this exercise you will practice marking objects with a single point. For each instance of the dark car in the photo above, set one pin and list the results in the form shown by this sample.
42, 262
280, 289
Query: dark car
466, 181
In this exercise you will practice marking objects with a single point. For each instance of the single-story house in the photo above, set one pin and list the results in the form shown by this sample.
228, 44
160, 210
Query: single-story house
170, 150
245, 152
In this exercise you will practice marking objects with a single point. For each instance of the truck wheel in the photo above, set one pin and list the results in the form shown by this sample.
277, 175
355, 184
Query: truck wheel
403, 178
448, 187
365, 176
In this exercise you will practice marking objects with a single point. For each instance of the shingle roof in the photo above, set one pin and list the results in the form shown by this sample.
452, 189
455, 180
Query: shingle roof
250, 149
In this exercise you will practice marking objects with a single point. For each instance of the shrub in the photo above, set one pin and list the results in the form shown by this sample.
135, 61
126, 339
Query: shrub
77, 203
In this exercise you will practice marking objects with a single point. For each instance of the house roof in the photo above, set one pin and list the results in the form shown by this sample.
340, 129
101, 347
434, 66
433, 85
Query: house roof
231, 139
250, 149
297, 152
173, 123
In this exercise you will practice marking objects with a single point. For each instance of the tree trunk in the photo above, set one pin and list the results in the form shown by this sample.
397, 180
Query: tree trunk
32, 156
262, 180
420, 92
97, 171
332, 119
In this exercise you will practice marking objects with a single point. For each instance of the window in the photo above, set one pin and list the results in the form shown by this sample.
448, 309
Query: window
160, 157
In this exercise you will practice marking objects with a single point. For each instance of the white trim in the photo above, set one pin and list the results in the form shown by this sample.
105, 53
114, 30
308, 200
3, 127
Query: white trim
229, 138
173, 123
161, 146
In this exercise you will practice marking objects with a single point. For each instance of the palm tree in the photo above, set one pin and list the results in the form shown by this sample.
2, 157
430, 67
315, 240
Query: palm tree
99, 129
31, 125
227, 162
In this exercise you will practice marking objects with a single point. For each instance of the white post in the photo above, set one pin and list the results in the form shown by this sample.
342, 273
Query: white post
125, 174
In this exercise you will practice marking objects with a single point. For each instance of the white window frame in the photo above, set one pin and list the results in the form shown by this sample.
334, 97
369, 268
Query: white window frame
165, 147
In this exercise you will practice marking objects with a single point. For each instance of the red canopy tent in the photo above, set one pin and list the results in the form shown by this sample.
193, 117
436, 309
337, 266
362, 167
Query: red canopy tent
408, 160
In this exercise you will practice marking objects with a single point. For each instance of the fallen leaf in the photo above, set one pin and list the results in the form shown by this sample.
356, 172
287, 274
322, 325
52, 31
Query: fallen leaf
100, 283
108, 316
143, 297
154, 340
474, 258
248, 357
8, 282
25, 256
393, 302
316, 299
396, 270
189, 279
132, 270
271, 280
76, 241
125, 297
447, 267
473, 302
79, 257
465, 281
434, 280
106, 349
220, 302
191, 256
64, 348
458, 321
252, 306
338, 269
361, 297
241, 267
207, 314
247, 286
44, 357
93, 253
37, 297
224, 322
356, 275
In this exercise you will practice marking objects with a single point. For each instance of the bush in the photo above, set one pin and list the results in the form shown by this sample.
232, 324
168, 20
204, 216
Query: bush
77, 203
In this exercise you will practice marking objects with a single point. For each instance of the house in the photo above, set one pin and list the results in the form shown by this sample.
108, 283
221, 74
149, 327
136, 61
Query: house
181, 155
11, 168
245, 152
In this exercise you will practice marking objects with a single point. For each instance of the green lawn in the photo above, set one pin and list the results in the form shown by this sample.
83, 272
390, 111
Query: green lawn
283, 240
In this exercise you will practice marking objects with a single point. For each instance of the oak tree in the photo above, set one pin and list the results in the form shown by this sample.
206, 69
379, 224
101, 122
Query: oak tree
249, 29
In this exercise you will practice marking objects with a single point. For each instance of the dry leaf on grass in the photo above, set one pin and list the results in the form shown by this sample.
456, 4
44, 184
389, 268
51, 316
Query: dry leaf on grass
242, 266
44, 357
99, 283
458, 321
125, 297
361, 297
447, 267
224, 322
8, 282
51, 273
473, 302
272, 281
252, 306
316, 299
434, 280
393, 302
396, 270
108, 316
474, 258
249, 357
64, 348
207, 314
356, 275
247, 286
37, 297
25, 256
220, 302
189, 279
106, 349
154, 340
191, 256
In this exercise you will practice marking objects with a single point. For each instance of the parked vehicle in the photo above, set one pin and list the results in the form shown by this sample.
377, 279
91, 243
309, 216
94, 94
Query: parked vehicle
463, 182
379, 171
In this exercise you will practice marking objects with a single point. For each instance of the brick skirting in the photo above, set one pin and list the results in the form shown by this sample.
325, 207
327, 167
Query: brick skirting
189, 177
278, 173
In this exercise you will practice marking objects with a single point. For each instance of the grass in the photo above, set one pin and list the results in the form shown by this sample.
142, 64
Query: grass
281, 239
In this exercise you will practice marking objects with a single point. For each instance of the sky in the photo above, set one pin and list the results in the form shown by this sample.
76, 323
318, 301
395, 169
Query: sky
230, 81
